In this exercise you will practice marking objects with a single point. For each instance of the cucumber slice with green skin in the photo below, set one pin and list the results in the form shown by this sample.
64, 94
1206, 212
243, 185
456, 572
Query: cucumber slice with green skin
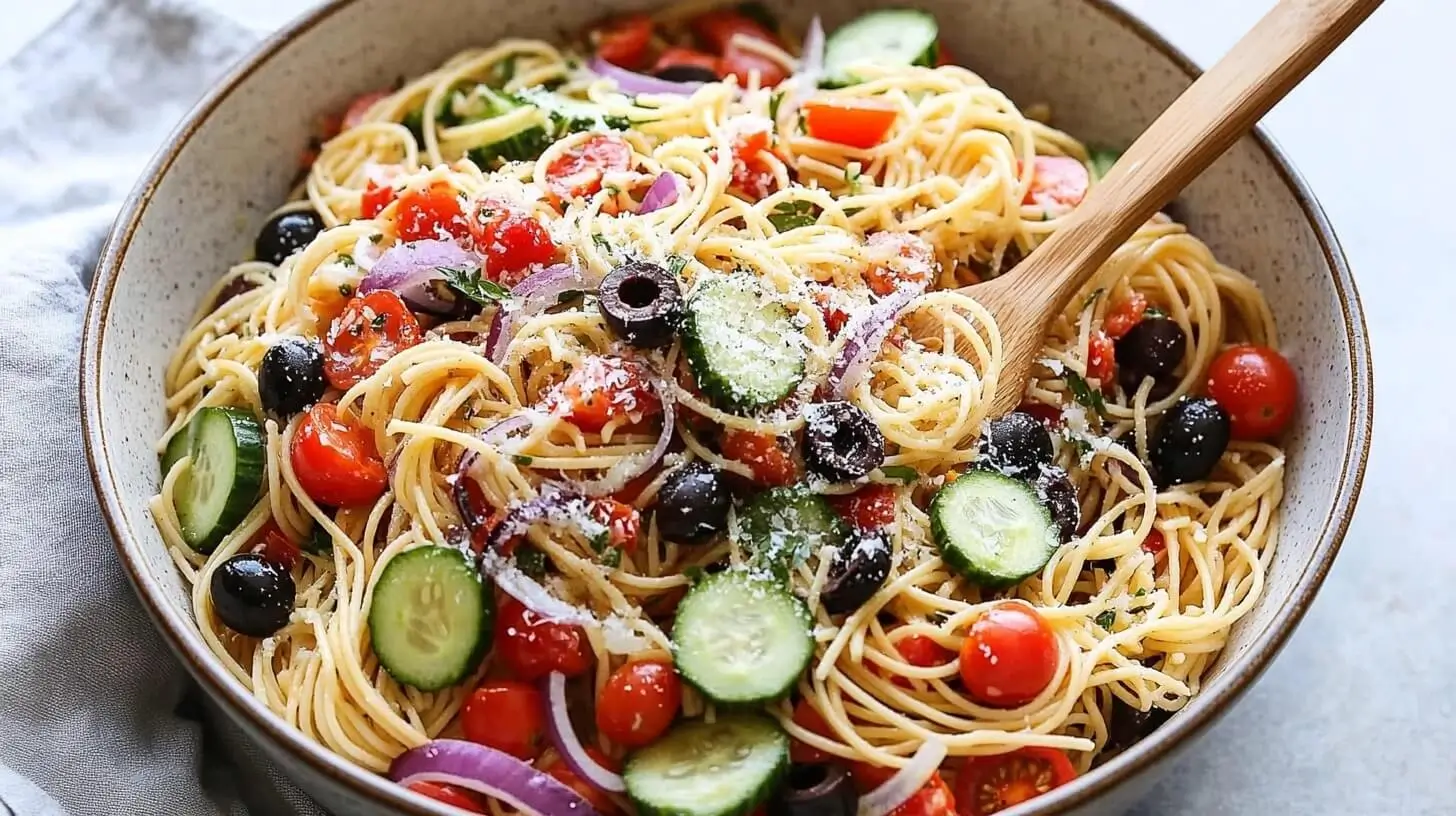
740, 639
1102, 161
430, 620
176, 449
723, 768
742, 343
224, 477
891, 37
992, 528
782, 526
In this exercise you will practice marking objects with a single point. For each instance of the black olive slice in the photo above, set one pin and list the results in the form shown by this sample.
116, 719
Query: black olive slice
815, 790
291, 376
693, 503
1192, 436
841, 442
1057, 492
1152, 348
1016, 444
859, 570
252, 595
642, 302
686, 73
285, 234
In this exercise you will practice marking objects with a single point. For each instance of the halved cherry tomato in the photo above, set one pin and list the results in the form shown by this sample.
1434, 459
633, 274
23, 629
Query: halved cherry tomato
1155, 543
716, 29
531, 648
752, 174
600, 801
991, 784
335, 460
1009, 655
638, 703
604, 389
686, 58
375, 198
507, 715
919, 650
741, 63
1101, 357
433, 212
942, 54
1058, 183
834, 315
860, 123
869, 508
623, 522
1124, 315
510, 238
933, 799
275, 545
623, 40
770, 463
1257, 387
899, 260
463, 798
806, 716
354, 115
371, 329
578, 171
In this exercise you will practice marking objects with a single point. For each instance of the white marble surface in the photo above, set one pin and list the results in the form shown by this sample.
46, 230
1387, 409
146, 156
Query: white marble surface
1357, 716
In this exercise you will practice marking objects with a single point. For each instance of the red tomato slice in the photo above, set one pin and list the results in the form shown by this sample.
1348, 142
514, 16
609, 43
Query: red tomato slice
770, 463
335, 460
686, 58
716, 29
933, 799
375, 198
623, 522
742, 63
922, 651
1124, 315
275, 545
899, 260
434, 212
991, 784
371, 329
1058, 183
463, 798
354, 116
638, 703
508, 715
1009, 655
605, 389
511, 239
808, 717
860, 123
1257, 387
1101, 357
577, 173
869, 508
623, 40
600, 801
531, 648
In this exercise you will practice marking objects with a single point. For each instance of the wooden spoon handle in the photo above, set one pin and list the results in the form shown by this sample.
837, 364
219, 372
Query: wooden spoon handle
1221, 106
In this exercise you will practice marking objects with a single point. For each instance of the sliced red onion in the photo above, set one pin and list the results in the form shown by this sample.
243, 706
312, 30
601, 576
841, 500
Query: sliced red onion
530, 593
564, 739
460, 484
863, 338
662, 193
905, 782
531, 296
630, 467
493, 773
558, 504
631, 82
413, 271
811, 69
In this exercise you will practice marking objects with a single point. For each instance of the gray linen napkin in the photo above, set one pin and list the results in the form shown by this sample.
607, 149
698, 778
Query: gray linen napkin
96, 715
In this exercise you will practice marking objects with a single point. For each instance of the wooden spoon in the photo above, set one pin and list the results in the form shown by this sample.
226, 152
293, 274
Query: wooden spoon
1219, 108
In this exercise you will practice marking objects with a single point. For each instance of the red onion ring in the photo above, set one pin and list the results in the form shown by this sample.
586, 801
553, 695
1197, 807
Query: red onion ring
412, 271
662, 193
494, 435
629, 468
493, 773
905, 782
567, 744
531, 296
631, 82
863, 338
811, 68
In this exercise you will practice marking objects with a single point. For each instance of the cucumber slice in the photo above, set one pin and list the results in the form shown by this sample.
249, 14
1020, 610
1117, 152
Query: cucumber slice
723, 768
780, 527
741, 343
992, 528
430, 620
176, 449
224, 478
890, 37
742, 640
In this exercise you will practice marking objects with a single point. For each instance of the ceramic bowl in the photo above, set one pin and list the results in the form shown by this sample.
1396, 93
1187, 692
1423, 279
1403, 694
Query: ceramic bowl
1105, 75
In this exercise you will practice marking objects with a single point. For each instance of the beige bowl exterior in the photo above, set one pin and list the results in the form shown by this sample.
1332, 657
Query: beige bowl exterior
1105, 75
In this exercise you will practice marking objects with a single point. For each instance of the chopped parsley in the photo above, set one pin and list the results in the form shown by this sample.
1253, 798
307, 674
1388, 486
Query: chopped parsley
531, 561
904, 473
612, 557
346, 289
1152, 312
1091, 299
774, 101
376, 238
794, 214
603, 244
521, 459
346, 260
1089, 397
853, 173
469, 283
694, 573
1106, 619
379, 320
503, 71
676, 264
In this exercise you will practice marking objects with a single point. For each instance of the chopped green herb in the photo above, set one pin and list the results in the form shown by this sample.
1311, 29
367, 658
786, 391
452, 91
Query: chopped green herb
774, 101
612, 557
676, 264
469, 283
531, 561
603, 244
904, 473
1089, 397
851, 212
503, 71
853, 172
794, 214
379, 321
521, 459
346, 289
1106, 619
376, 238
1154, 311
694, 573
346, 260
1091, 299
1140, 593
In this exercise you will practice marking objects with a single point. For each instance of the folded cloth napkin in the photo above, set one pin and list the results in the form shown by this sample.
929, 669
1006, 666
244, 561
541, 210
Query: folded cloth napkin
96, 715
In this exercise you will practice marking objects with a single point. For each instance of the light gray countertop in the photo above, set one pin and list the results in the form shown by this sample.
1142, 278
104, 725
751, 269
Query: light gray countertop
1357, 716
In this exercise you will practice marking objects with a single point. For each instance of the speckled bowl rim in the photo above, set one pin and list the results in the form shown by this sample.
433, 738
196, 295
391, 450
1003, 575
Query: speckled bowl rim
1201, 713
